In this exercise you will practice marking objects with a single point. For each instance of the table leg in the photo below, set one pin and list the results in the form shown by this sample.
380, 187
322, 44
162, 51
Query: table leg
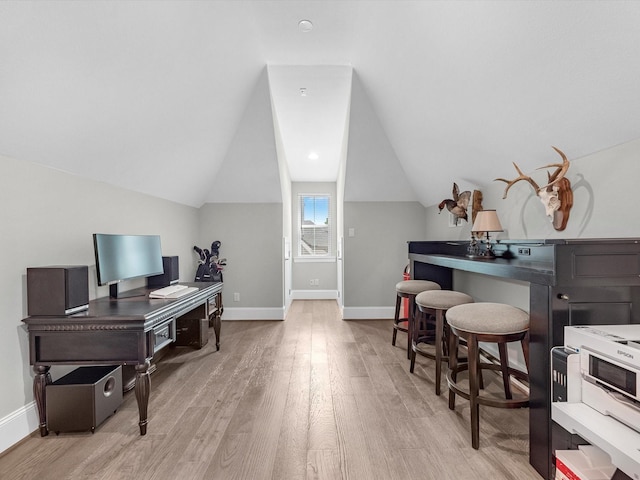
143, 388
439, 334
217, 320
40, 382
410, 319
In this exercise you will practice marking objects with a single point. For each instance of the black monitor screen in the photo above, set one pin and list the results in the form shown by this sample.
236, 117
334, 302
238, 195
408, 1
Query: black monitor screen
121, 257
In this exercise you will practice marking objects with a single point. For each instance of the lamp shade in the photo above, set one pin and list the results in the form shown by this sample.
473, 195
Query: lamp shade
487, 221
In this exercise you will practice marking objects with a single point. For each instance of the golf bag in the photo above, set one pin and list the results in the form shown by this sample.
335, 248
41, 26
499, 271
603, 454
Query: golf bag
210, 266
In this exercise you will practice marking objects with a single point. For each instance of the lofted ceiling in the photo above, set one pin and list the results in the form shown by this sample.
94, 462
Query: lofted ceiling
311, 105
152, 95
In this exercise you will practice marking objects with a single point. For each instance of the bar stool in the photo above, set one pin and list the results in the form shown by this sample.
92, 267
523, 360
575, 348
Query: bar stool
434, 304
485, 322
408, 289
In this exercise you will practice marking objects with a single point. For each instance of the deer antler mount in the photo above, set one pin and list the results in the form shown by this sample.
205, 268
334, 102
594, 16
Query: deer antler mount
556, 195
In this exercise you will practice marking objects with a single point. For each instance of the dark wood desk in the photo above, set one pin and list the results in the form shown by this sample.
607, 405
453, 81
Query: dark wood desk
571, 282
125, 331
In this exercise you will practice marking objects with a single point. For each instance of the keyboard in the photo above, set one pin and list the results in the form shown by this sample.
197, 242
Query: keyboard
172, 291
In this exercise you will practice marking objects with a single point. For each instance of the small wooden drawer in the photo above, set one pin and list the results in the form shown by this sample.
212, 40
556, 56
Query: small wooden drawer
164, 334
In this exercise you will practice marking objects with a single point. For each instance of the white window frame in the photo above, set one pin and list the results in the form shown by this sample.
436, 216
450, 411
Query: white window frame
303, 253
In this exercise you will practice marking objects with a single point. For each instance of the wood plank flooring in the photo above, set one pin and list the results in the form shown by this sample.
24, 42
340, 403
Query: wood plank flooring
313, 397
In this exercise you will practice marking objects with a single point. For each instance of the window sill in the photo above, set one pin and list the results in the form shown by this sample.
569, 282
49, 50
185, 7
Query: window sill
327, 259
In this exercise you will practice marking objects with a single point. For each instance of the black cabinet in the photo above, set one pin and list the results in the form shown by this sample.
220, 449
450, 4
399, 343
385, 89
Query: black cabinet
571, 282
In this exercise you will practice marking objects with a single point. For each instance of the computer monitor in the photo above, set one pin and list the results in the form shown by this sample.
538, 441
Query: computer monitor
124, 257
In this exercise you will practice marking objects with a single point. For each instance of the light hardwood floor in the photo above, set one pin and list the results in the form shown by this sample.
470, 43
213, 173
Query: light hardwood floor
313, 397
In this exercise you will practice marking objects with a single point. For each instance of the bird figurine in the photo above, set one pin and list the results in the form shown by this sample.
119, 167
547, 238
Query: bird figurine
458, 205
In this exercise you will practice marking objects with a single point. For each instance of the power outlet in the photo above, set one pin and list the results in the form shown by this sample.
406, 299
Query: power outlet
524, 251
236, 297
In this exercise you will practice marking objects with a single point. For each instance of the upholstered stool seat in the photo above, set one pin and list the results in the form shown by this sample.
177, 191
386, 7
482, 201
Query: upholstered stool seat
433, 304
486, 322
408, 289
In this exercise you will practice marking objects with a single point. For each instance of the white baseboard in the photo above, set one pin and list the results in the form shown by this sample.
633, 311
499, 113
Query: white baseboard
314, 294
368, 313
18, 425
278, 313
238, 313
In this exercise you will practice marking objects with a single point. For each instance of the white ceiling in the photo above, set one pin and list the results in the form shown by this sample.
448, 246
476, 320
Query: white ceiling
150, 95
311, 105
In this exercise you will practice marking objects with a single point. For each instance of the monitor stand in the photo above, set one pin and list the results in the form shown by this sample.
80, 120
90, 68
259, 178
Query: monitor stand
113, 292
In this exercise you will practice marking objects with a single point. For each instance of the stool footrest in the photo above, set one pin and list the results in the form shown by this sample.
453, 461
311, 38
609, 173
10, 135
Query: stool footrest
402, 325
420, 351
521, 402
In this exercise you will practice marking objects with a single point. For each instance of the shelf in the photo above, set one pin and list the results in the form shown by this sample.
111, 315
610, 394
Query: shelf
527, 271
619, 441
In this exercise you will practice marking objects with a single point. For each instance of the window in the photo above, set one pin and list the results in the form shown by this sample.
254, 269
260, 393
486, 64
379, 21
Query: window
314, 230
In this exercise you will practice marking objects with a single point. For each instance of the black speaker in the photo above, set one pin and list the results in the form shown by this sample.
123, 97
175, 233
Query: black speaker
57, 290
84, 398
171, 273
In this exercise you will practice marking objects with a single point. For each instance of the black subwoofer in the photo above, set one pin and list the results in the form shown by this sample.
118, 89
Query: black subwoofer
84, 398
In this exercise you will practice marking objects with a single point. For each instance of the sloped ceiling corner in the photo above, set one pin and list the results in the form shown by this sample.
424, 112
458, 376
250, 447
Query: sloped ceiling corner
373, 171
463, 89
249, 172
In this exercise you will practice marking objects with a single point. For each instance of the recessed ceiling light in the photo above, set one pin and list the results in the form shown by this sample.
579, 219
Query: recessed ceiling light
305, 26
313, 156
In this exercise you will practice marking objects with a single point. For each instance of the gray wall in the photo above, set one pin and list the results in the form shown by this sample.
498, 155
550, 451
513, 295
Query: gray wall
375, 257
603, 185
251, 236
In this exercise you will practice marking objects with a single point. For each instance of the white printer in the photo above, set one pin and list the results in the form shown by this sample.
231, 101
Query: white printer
609, 369
596, 389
